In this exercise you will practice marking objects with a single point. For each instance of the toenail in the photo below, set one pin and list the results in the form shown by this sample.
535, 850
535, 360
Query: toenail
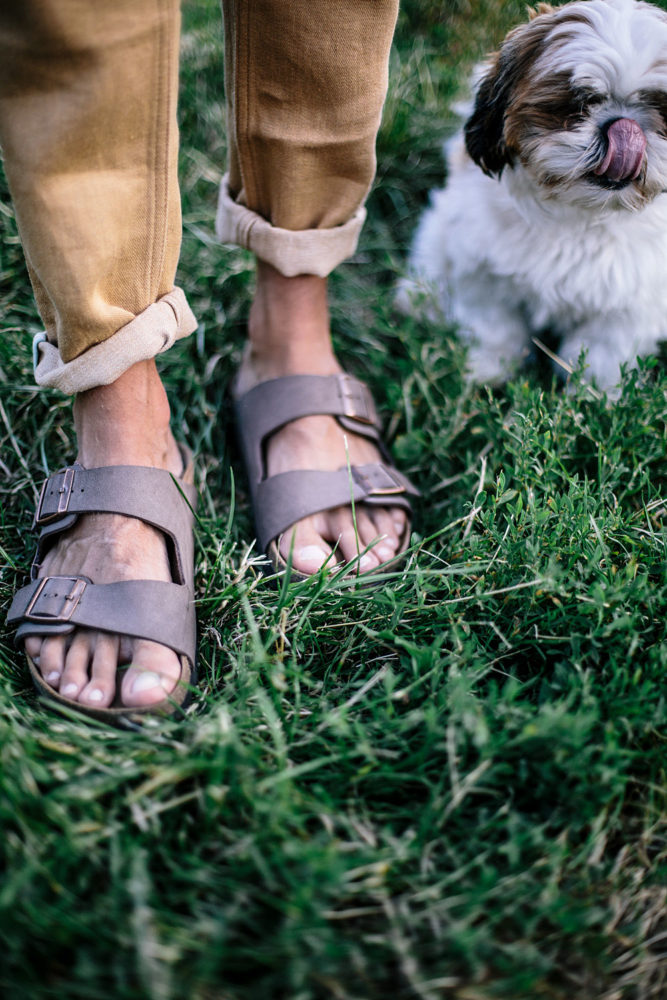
312, 553
53, 676
70, 689
367, 562
400, 527
95, 695
384, 552
145, 682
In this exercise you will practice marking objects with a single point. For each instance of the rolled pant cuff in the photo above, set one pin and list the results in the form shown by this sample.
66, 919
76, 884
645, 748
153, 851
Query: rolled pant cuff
292, 252
150, 333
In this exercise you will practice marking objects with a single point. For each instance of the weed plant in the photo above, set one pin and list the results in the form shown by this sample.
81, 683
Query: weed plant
449, 786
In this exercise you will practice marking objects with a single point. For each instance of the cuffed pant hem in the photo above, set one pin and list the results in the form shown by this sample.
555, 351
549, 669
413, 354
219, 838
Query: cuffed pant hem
150, 333
292, 252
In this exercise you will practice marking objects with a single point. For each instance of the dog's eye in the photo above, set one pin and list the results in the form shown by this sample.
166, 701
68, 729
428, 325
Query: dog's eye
586, 99
555, 103
579, 105
656, 99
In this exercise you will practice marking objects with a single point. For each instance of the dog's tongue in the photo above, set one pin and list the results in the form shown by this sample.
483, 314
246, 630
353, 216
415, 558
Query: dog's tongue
626, 145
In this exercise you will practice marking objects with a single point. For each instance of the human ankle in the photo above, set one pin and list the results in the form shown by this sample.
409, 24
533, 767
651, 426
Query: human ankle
126, 422
260, 364
286, 310
288, 326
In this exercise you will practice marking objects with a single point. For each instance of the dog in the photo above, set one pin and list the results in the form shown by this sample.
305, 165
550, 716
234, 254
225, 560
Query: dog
554, 214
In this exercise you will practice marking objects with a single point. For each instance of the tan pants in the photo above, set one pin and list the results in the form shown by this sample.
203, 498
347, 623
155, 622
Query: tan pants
89, 139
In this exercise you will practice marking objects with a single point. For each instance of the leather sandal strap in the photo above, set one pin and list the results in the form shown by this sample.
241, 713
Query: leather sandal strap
151, 495
145, 609
286, 498
272, 404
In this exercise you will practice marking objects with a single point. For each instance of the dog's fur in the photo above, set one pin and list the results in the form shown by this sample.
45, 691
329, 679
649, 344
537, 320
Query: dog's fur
535, 229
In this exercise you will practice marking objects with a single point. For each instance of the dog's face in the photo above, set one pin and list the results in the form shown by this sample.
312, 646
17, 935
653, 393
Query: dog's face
578, 98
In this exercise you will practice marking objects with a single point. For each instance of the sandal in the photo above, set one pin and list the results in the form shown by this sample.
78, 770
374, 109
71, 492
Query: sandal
280, 501
145, 609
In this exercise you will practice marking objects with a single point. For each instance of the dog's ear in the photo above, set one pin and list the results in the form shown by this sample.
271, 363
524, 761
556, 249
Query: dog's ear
485, 129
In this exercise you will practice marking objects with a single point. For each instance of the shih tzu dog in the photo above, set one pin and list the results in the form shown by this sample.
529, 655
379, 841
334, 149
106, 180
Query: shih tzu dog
564, 227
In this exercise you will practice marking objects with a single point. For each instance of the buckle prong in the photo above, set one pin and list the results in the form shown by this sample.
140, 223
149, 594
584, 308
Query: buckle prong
380, 482
356, 400
63, 493
69, 600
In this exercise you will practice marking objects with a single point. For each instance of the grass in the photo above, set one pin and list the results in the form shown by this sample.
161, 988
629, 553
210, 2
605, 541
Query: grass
451, 786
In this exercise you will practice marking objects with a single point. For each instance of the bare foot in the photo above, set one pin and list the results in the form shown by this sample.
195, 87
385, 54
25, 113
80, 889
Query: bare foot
289, 335
126, 423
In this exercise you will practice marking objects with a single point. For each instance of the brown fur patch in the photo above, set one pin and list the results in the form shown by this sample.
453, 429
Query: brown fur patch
560, 15
542, 8
657, 99
485, 129
549, 104
507, 97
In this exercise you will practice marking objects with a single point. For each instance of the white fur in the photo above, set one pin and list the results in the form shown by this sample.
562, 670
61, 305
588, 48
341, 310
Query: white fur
505, 259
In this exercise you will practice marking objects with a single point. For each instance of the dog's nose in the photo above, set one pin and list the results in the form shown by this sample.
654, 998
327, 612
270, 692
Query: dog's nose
626, 146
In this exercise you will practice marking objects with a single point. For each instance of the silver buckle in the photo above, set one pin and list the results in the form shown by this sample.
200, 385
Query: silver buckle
379, 481
75, 588
356, 400
54, 501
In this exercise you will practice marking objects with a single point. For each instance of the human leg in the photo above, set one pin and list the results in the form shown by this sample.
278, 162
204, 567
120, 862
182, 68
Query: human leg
89, 138
305, 90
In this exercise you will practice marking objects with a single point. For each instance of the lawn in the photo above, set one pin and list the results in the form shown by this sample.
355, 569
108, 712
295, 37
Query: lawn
450, 786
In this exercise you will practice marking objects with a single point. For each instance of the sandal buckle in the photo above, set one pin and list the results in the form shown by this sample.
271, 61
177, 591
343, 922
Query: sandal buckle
55, 496
378, 480
49, 606
356, 400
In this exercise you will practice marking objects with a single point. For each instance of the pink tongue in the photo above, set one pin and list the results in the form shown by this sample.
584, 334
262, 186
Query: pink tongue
626, 145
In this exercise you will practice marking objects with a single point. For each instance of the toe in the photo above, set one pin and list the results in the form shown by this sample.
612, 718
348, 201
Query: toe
308, 548
100, 690
384, 524
75, 674
351, 544
371, 536
400, 521
52, 659
33, 645
152, 675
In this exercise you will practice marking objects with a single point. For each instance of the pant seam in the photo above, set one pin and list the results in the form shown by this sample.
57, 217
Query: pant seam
160, 182
250, 181
151, 160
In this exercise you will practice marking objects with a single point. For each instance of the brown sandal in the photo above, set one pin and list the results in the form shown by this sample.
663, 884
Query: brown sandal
146, 609
280, 501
